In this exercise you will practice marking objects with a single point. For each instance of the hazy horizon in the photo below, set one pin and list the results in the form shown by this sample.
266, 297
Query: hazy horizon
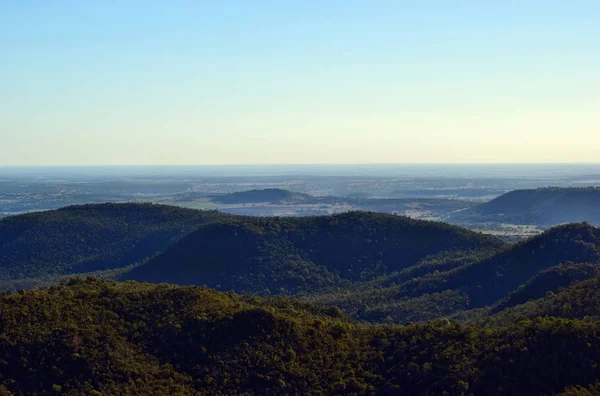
490, 170
186, 83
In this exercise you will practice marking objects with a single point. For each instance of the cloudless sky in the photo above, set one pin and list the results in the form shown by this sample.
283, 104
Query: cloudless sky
240, 82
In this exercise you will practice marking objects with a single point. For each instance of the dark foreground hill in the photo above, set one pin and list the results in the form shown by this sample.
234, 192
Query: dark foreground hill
88, 238
291, 255
96, 337
544, 206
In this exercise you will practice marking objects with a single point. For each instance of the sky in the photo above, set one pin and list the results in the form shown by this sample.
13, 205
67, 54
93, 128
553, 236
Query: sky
299, 82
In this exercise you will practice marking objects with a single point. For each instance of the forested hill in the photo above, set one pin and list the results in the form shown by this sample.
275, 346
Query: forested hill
548, 281
96, 337
447, 284
375, 267
87, 238
278, 254
544, 206
579, 300
488, 280
291, 255
270, 195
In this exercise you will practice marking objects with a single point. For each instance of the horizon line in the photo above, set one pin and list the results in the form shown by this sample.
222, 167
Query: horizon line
296, 164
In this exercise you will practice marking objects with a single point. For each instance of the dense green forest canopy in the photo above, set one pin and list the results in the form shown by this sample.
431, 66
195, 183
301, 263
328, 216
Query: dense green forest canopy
529, 311
86, 238
543, 206
549, 280
375, 267
100, 337
488, 280
329, 250
577, 301
292, 255
446, 284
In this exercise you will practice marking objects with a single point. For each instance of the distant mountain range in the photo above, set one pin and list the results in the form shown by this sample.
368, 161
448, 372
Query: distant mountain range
543, 206
270, 195
538, 207
276, 201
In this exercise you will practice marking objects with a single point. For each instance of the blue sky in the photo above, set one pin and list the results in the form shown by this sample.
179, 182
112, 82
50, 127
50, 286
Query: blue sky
236, 82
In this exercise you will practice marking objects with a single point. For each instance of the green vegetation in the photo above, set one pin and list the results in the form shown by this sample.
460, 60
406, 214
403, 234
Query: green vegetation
530, 312
580, 300
102, 337
550, 280
375, 267
81, 239
488, 280
305, 255
543, 206
446, 285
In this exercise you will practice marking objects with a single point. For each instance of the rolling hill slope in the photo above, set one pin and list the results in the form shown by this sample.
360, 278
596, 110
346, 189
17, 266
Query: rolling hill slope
550, 280
444, 285
376, 267
291, 255
579, 300
88, 238
544, 206
490, 279
97, 337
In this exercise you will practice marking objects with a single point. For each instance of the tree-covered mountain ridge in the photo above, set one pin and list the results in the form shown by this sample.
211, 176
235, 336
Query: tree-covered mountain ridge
579, 300
111, 237
543, 206
446, 285
375, 267
102, 337
292, 255
85, 238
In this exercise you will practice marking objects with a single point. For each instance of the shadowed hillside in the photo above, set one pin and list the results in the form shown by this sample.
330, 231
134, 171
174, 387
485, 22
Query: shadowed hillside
272, 255
444, 285
577, 301
544, 206
549, 280
87, 238
376, 267
489, 280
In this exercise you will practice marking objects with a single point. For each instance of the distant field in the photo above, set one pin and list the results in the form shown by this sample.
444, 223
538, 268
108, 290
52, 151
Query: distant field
434, 194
